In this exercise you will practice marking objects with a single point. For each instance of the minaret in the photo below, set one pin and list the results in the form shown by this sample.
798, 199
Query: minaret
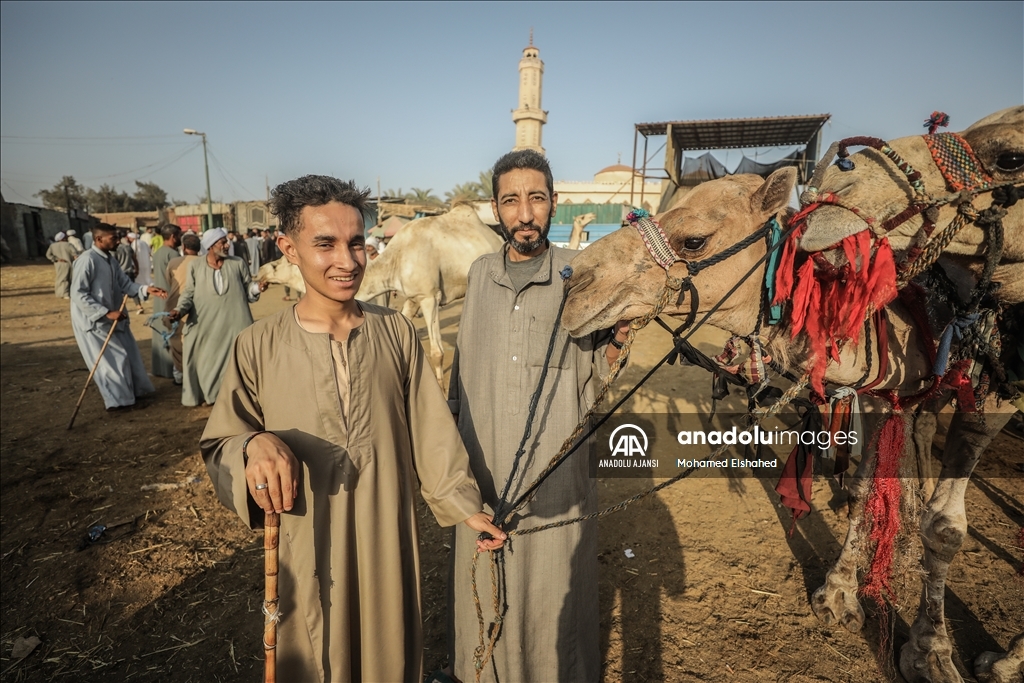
529, 117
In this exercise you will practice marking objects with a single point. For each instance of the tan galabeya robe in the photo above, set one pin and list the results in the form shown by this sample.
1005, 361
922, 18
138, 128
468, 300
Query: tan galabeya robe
349, 581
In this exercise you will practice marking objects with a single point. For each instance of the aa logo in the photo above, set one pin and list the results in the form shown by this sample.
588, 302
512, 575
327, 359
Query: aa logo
628, 440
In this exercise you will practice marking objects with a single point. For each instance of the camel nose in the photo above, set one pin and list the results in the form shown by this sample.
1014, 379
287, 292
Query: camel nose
579, 280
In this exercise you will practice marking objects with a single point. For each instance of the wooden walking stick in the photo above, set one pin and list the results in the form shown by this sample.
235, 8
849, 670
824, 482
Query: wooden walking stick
271, 615
96, 364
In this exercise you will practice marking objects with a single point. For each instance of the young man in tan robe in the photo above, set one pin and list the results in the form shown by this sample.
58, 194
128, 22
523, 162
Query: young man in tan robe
330, 414
550, 629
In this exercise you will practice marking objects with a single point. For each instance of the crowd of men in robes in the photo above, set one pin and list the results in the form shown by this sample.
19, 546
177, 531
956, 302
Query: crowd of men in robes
328, 414
196, 312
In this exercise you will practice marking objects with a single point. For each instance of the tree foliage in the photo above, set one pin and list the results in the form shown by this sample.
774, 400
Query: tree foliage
67, 191
105, 199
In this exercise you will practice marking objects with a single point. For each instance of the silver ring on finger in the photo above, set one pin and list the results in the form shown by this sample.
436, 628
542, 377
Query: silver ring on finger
261, 487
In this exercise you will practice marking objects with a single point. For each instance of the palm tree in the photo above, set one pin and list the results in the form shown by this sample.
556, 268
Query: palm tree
466, 192
420, 196
485, 184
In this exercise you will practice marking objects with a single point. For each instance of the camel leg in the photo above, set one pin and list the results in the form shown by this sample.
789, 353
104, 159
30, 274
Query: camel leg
410, 308
925, 424
993, 667
926, 657
836, 600
431, 316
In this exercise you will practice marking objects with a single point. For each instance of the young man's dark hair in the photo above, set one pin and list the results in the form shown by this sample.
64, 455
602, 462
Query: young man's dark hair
289, 199
170, 230
191, 241
101, 228
522, 159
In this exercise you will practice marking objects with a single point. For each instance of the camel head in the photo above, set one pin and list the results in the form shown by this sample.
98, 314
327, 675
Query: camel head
281, 272
578, 223
879, 192
617, 279
583, 220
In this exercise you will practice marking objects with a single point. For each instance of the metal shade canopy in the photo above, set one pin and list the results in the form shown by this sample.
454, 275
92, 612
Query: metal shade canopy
769, 131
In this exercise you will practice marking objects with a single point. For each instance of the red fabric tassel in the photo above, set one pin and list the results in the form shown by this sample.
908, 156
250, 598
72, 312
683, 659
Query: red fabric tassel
806, 283
816, 336
957, 379
793, 483
882, 284
883, 508
787, 267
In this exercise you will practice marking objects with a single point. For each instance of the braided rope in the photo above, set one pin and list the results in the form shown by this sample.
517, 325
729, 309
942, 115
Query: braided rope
966, 213
671, 289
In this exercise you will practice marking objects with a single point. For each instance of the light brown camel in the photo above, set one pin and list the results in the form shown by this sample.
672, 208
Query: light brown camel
578, 223
428, 262
281, 272
715, 216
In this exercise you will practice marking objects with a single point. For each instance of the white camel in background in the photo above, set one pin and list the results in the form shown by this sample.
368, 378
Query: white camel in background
578, 223
427, 262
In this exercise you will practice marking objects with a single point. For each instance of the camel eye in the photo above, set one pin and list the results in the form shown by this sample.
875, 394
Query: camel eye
1010, 161
694, 243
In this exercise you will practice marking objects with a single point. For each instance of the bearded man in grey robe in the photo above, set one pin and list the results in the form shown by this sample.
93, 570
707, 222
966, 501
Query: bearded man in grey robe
98, 288
548, 581
163, 364
218, 291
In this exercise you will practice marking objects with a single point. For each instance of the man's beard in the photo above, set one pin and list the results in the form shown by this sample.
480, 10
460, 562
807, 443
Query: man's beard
532, 245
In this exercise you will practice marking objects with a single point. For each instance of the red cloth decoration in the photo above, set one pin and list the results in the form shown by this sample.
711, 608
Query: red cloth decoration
794, 487
883, 506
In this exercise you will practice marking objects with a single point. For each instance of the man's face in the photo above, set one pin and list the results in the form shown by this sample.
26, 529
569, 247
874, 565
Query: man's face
220, 248
105, 241
524, 209
329, 249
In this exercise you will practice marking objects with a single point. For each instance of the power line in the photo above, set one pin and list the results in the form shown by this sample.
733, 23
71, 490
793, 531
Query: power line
112, 137
91, 143
170, 160
225, 170
9, 187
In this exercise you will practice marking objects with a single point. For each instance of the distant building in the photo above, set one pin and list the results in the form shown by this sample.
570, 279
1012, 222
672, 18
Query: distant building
611, 185
28, 230
194, 217
253, 216
529, 117
137, 221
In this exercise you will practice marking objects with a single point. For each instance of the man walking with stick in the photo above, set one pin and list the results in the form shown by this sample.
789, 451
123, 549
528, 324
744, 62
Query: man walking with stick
98, 288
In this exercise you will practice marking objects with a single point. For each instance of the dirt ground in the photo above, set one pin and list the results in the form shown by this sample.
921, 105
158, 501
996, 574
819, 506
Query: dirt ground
715, 589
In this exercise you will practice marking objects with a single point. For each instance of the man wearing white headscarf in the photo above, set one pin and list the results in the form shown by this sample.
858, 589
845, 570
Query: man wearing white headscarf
61, 254
75, 242
218, 291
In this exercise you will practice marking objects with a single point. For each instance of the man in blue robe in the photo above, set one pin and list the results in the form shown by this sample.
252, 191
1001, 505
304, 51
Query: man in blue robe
98, 288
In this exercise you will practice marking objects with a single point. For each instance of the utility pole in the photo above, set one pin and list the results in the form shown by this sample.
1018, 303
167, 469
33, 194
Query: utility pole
206, 166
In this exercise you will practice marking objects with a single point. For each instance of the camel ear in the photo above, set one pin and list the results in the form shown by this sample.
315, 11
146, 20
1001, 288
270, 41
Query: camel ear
774, 194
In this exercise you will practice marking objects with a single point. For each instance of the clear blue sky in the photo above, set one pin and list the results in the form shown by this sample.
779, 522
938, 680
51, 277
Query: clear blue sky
420, 94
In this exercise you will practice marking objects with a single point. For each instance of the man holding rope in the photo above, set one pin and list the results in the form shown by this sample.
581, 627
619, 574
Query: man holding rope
98, 288
330, 415
550, 630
